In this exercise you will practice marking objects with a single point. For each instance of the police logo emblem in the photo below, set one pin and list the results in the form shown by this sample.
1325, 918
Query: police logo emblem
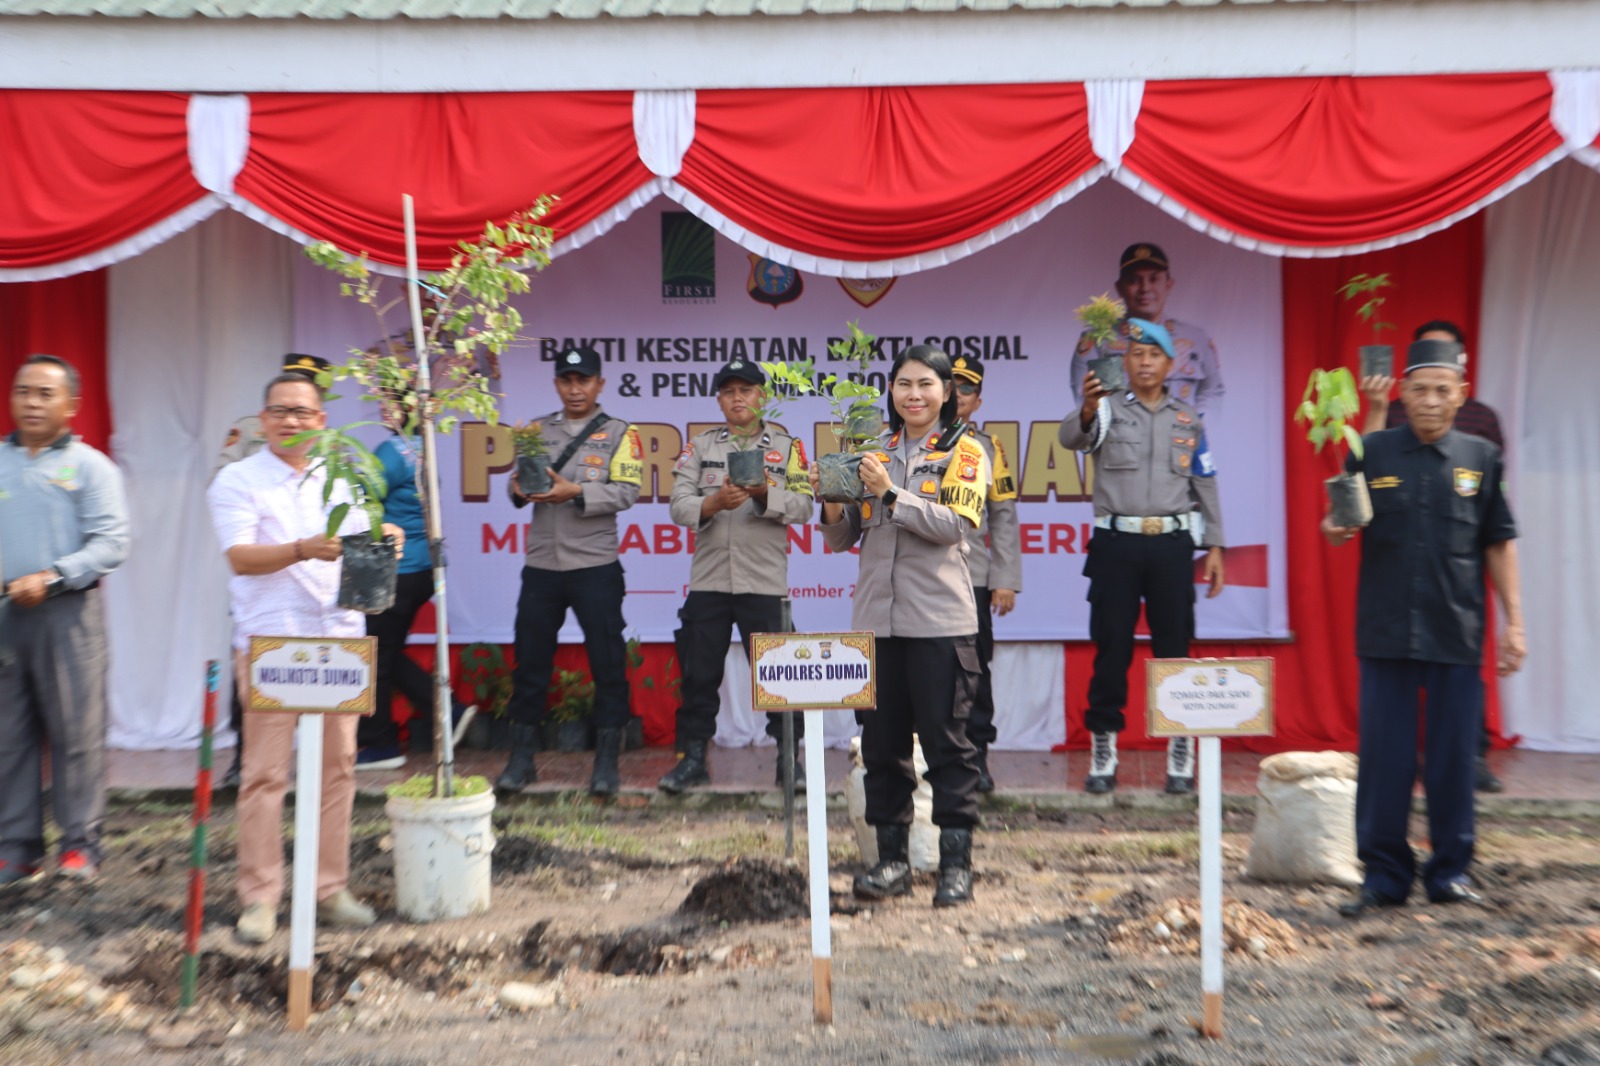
594, 460
599, 436
930, 486
866, 511
1468, 481
774, 457
772, 283
574, 357
968, 472
591, 473
866, 291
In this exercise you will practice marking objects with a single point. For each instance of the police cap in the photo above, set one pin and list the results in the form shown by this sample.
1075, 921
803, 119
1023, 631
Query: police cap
1143, 255
738, 370
585, 361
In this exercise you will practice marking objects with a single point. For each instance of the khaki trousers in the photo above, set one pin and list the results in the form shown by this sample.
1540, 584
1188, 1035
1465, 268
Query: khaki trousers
263, 780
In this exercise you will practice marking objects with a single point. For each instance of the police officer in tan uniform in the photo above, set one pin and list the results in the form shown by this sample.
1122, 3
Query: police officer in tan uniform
1144, 281
1155, 503
994, 556
925, 493
572, 562
740, 572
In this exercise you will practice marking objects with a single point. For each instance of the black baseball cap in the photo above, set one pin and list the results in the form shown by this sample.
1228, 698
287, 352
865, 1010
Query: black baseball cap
1144, 254
585, 361
738, 370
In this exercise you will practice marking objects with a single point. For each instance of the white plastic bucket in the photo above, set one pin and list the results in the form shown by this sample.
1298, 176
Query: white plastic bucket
441, 855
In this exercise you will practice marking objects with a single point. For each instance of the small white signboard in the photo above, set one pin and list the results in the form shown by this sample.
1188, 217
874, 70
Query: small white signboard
812, 672
1209, 697
312, 675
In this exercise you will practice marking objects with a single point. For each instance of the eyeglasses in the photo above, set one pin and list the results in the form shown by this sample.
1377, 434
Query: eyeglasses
280, 413
967, 390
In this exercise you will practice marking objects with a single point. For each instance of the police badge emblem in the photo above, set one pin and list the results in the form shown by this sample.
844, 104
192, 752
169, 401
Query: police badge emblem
1468, 481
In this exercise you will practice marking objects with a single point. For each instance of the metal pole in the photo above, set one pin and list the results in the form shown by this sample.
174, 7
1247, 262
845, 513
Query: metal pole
443, 734
194, 920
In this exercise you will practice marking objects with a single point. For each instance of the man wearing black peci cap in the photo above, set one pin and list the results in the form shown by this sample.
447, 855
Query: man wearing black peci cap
245, 438
1144, 281
1474, 417
597, 467
1440, 519
994, 557
740, 571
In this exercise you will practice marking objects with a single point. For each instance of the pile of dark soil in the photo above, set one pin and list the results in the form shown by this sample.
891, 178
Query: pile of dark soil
749, 890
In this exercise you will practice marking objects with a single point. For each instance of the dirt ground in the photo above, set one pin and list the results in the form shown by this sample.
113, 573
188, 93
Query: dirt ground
643, 943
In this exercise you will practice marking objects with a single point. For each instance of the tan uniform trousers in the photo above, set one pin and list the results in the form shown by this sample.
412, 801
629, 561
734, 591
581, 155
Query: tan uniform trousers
264, 778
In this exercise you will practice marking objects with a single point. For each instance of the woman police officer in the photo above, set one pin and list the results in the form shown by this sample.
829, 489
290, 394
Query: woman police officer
915, 595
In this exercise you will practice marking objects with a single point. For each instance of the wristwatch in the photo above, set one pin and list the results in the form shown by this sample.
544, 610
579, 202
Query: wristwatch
889, 496
55, 585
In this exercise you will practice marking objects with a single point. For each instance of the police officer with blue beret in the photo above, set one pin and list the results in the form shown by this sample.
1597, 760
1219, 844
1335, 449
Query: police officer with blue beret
1155, 504
1439, 519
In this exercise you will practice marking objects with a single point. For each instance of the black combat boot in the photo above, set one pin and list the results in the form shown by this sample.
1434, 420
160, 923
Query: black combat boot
892, 875
605, 780
985, 779
520, 771
690, 771
955, 868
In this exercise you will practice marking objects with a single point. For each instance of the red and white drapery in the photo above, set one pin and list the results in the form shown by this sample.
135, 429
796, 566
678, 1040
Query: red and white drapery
848, 182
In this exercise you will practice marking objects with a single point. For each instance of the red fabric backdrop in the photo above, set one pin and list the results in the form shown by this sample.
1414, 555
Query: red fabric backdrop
1437, 277
1324, 162
66, 317
872, 174
99, 167
334, 166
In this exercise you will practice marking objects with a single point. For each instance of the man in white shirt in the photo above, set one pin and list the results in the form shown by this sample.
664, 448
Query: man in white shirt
271, 519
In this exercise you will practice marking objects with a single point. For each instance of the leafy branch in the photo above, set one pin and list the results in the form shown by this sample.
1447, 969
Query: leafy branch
1100, 317
1330, 403
468, 323
1366, 287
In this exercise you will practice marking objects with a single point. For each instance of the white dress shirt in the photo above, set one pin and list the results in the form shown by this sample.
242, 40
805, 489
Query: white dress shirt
264, 500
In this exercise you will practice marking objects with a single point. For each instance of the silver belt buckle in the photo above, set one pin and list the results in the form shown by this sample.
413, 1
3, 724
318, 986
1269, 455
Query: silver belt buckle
1152, 526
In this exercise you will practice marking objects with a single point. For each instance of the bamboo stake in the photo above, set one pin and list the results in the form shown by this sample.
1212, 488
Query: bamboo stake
194, 920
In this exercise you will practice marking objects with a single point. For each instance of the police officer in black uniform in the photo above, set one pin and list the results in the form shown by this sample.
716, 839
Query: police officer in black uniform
1440, 518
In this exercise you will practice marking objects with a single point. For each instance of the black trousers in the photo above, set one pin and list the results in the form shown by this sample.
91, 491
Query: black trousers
1388, 771
396, 669
707, 620
594, 594
926, 686
1123, 570
980, 727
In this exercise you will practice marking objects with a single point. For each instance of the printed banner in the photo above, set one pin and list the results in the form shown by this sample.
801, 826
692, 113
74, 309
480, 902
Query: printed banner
665, 301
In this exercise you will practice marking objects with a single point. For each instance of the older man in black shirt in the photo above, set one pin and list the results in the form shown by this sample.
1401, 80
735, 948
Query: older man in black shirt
1439, 517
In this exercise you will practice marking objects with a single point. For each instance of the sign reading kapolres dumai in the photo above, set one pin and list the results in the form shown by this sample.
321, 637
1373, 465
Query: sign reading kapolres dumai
813, 672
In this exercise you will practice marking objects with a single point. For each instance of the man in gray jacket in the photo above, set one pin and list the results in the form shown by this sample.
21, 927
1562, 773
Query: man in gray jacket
63, 526
740, 572
597, 467
994, 556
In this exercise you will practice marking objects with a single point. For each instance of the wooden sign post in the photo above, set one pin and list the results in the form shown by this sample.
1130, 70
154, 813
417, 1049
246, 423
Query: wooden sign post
310, 677
812, 673
1210, 699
